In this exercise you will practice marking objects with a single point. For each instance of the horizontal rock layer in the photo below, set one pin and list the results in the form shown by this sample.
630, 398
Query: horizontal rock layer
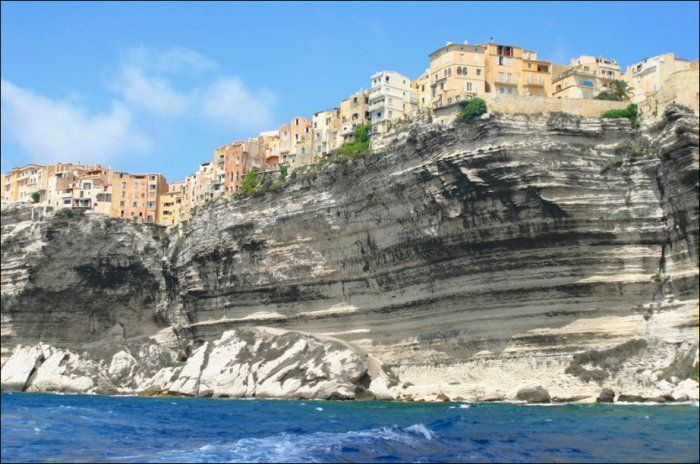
452, 255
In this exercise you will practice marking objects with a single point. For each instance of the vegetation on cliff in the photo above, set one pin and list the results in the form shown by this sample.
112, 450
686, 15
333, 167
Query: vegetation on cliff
631, 113
472, 109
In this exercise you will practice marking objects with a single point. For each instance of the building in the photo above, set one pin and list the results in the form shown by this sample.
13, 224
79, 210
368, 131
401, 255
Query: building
300, 142
325, 129
170, 205
234, 166
354, 111
389, 99
513, 70
135, 196
586, 77
420, 97
647, 76
461, 71
456, 72
270, 148
22, 182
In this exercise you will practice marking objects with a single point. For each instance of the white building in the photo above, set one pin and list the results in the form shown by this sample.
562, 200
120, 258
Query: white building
326, 125
389, 99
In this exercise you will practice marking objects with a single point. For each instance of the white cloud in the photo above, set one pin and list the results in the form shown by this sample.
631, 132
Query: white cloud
169, 61
156, 91
147, 80
230, 103
154, 94
51, 131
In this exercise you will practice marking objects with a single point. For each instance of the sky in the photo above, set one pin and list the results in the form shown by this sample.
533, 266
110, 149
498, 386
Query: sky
157, 86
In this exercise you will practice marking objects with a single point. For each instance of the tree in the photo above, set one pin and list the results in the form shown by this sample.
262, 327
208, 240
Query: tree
619, 90
36, 196
283, 171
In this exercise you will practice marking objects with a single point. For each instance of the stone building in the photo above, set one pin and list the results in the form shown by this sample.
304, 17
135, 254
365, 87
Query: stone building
354, 111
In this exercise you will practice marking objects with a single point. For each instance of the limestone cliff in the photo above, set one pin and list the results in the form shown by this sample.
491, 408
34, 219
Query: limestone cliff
467, 261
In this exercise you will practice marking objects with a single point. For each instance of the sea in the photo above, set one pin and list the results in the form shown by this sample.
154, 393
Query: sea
89, 428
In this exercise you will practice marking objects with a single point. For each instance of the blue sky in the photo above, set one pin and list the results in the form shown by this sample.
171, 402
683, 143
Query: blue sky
156, 87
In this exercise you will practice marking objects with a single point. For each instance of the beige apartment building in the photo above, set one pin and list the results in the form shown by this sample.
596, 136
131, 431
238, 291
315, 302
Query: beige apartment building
647, 76
513, 70
270, 147
135, 196
460, 71
354, 111
21, 182
170, 205
325, 129
586, 77
457, 72
300, 142
421, 91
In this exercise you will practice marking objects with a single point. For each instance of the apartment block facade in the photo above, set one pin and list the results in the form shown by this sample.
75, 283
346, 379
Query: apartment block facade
170, 205
389, 99
135, 196
354, 111
325, 130
586, 77
648, 75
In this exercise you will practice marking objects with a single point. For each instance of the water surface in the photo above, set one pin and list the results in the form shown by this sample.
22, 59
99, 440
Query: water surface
43, 427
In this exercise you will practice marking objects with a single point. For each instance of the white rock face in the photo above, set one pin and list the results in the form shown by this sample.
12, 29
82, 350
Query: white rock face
50, 376
686, 389
188, 381
271, 364
19, 367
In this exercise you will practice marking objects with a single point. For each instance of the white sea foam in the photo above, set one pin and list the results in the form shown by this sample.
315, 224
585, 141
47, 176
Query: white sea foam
463, 406
286, 447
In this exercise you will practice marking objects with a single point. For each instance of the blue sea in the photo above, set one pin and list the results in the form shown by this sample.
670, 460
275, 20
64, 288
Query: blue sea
86, 428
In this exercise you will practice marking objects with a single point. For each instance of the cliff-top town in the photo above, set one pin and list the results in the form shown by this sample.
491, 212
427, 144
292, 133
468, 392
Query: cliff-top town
505, 76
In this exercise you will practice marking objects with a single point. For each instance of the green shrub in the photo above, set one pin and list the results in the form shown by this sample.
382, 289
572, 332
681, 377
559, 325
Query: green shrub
472, 109
283, 172
356, 148
36, 196
631, 113
250, 183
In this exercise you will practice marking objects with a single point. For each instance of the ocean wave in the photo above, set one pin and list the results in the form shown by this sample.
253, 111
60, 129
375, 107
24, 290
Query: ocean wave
285, 447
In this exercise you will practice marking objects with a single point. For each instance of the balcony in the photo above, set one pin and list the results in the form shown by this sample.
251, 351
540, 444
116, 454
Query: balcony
506, 81
577, 70
378, 105
535, 81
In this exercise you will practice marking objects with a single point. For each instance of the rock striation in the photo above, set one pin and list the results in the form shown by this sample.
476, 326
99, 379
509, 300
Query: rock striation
464, 260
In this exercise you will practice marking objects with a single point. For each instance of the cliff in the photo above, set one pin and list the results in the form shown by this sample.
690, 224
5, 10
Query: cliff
463, 261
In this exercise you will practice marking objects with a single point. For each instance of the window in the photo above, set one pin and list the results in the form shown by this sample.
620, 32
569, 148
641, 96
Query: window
387, 79
459, 70
151, 204
510, 77
478, 72
501, 77
468, 86
133, 204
